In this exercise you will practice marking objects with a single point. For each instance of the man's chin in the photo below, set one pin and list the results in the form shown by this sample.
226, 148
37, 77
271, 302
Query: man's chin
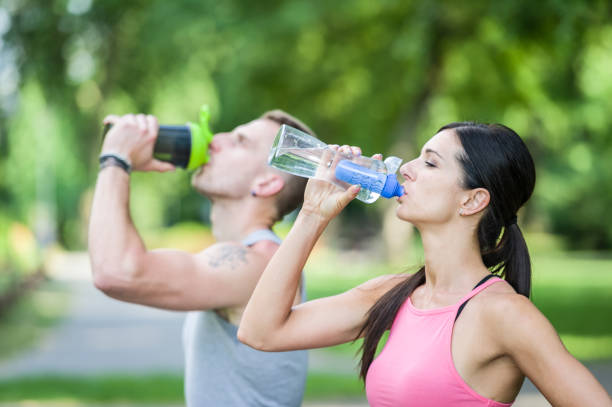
205, 193
195, 184
194, 177
200, 186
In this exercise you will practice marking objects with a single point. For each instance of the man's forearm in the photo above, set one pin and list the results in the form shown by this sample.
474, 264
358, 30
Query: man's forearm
115, 248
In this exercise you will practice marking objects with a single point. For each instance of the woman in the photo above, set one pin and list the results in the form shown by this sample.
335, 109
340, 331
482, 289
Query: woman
459, 334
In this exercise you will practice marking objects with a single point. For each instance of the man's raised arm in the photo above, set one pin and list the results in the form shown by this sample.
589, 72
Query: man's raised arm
223, 275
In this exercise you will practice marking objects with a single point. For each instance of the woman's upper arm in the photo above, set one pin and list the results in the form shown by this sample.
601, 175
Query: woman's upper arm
530, 339
331, 320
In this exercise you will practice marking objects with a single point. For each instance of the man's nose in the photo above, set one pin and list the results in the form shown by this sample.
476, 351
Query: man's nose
217, 142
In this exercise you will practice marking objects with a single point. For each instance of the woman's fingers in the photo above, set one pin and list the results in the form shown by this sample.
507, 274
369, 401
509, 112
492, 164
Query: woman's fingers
340, 155
325, 163
325, 195
348, 195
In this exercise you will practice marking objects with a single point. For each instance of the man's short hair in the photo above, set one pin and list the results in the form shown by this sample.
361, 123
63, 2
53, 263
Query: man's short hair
292, 194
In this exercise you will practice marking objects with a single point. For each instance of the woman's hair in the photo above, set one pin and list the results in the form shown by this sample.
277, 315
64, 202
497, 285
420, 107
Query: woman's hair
494, 158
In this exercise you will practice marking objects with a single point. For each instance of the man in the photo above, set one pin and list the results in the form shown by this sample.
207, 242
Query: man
248, 197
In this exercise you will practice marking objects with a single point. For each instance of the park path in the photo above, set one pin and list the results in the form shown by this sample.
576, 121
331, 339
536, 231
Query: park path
100, 335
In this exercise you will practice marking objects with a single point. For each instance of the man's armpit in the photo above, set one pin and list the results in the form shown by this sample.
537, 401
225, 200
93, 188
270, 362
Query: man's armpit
232, 256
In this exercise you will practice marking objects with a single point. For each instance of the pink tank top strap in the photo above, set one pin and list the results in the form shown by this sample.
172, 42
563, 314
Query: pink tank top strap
479, 288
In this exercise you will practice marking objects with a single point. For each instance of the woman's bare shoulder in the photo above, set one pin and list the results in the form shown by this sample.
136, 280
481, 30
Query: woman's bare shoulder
378, 286
502, 307
499, 297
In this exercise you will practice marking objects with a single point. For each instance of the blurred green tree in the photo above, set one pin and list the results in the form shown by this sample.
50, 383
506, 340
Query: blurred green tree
384, 75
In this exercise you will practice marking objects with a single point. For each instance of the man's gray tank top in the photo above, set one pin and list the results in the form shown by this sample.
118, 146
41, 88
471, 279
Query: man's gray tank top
221, 371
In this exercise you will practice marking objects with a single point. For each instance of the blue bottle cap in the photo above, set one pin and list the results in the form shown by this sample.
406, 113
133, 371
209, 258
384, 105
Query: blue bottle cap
392, 187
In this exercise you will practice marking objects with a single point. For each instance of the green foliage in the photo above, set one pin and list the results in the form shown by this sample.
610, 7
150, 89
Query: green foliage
189, 236
20, 258
31, 318
384, 75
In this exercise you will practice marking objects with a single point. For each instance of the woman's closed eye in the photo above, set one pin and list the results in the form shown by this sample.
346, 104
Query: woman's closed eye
241, 138
430, 164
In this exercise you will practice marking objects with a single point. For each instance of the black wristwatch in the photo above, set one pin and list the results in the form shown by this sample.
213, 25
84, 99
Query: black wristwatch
110, 160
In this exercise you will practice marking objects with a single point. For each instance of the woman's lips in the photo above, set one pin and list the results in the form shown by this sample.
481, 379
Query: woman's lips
399, 198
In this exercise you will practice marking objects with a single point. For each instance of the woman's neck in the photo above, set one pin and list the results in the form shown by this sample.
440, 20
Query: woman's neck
453, 263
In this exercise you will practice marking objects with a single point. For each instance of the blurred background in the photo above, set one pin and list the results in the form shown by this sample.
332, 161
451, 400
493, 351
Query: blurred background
384, 75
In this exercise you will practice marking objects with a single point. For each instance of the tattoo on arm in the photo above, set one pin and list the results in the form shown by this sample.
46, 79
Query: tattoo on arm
232, 256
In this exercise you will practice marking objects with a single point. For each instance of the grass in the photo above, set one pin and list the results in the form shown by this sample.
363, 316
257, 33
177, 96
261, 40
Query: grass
116, 388
148, 389
574, 291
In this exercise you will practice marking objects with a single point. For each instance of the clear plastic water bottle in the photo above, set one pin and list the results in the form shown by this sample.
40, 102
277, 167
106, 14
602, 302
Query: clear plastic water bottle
299, 153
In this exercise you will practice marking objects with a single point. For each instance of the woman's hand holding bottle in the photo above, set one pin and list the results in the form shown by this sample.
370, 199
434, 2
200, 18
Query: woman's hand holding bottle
322, 199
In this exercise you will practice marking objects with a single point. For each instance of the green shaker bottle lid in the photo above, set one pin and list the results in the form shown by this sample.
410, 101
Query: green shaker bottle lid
201, 136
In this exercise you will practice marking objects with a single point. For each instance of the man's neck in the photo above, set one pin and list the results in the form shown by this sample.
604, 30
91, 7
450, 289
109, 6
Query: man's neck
233, 220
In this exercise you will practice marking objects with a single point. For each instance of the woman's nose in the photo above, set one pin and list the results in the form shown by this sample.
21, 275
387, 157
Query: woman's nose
407, 171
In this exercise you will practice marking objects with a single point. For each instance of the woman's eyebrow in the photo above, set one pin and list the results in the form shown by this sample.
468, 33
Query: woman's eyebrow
429, 150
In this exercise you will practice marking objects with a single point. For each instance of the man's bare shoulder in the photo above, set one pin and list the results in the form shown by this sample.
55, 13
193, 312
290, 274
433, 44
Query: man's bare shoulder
230, 255
234, 255
265, 248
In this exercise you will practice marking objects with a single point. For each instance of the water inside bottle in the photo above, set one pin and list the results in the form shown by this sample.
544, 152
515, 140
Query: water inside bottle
304, 162
297, 161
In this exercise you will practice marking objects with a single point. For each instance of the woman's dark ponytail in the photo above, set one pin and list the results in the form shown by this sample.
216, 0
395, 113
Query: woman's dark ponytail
508, 257
517, 267
496, 159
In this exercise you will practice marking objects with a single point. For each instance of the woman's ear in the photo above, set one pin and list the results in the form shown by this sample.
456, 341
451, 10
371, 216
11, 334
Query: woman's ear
475, 201
267, 185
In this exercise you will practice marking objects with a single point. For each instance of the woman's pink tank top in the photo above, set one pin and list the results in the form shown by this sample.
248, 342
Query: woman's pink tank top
415, 368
